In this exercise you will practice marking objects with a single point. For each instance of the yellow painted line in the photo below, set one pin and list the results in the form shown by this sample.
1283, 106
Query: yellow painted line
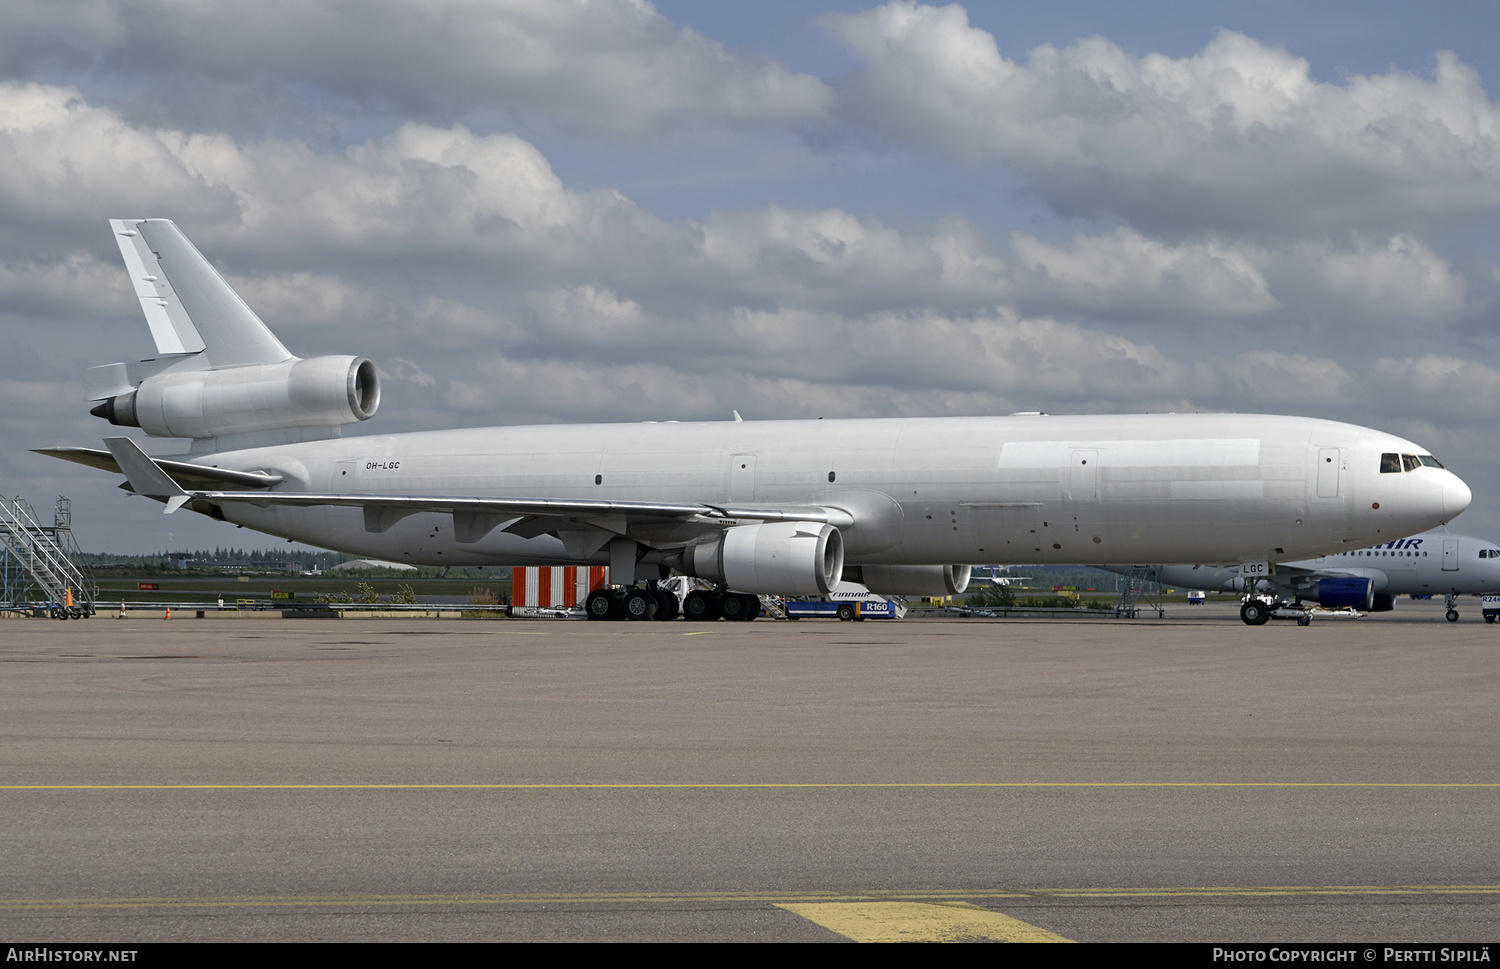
876, 785
630, 898
1272, 891
959, 901
919, 922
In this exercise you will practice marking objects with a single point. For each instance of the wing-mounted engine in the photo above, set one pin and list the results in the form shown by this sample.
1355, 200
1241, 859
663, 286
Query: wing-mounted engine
1337, 593
323, 392
911, 580
773, 558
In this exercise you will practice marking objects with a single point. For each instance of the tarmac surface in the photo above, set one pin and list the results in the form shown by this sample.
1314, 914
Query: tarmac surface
1090, 779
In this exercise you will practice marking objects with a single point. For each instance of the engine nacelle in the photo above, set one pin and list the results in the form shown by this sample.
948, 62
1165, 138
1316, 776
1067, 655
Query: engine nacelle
911, 580
773, 558
320, 392
1346, 591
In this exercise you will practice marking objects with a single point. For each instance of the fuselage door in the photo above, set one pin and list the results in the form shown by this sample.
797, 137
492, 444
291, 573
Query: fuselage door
1450, 555
1083, 476
1328, 472
742, 477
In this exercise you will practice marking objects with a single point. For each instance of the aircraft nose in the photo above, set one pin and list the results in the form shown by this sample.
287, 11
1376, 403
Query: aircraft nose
1456, 496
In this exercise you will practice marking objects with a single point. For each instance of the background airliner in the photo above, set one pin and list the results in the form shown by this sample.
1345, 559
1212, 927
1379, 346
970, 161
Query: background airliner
1432, 563
785, 507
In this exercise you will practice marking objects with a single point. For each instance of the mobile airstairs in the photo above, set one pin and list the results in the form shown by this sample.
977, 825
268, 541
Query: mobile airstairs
1139, 592
38, 574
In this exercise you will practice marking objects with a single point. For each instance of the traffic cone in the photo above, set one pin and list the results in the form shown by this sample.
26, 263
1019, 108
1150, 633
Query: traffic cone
169, 612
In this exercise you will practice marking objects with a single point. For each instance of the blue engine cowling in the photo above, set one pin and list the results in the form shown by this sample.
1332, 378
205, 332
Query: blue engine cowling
1346, 591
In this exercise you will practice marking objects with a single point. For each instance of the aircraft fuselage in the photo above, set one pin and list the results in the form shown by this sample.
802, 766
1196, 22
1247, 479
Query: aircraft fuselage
1211, 488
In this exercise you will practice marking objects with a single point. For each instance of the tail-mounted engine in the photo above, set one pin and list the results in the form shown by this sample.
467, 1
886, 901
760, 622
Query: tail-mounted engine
321, 392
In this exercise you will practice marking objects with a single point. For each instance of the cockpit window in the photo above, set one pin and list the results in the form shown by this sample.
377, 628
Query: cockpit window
1390, 463
1489, 553
1409, 462
1429, 461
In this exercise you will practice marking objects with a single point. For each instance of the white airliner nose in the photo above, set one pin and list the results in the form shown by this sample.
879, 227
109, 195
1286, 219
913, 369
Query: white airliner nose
1456, 497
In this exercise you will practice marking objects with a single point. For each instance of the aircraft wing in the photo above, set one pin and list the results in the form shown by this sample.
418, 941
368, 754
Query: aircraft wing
473, 517
545, 507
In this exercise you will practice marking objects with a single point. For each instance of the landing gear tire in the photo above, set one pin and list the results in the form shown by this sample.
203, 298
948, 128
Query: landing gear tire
700, 606
1453, 615
846, 612
601, 604
740, 607
640, 605
667, 606
752, 607
1255, 613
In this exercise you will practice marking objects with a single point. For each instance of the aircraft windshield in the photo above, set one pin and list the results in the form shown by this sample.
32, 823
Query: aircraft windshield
1396, 463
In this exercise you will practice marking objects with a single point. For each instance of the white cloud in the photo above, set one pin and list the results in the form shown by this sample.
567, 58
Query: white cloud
1387, 283
303, 232
1237, 136
420, 193
75, 285
830, 257
612, 66
1126, 274
1458, 391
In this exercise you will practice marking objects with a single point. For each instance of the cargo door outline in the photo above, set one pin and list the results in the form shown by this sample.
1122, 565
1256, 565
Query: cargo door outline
1330, 466
742, 477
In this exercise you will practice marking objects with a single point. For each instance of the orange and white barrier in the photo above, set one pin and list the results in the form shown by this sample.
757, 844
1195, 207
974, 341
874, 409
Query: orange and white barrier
561, 587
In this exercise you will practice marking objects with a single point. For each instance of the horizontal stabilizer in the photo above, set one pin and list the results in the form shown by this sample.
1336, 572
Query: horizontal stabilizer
145, 477
185, 474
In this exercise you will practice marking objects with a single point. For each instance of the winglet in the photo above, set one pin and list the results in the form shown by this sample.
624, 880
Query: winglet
145, 476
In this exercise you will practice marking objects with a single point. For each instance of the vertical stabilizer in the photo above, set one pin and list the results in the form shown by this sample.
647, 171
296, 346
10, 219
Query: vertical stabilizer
188, 305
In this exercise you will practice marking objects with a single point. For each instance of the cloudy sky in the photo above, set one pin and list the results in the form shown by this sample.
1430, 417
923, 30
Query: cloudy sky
551, 211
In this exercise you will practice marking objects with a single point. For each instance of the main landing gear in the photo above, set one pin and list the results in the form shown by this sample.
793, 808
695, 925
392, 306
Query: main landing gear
639, 604
702, 605
643, 604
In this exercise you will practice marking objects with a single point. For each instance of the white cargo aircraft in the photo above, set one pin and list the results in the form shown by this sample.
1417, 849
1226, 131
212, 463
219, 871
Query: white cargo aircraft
1433, 563
751, 507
